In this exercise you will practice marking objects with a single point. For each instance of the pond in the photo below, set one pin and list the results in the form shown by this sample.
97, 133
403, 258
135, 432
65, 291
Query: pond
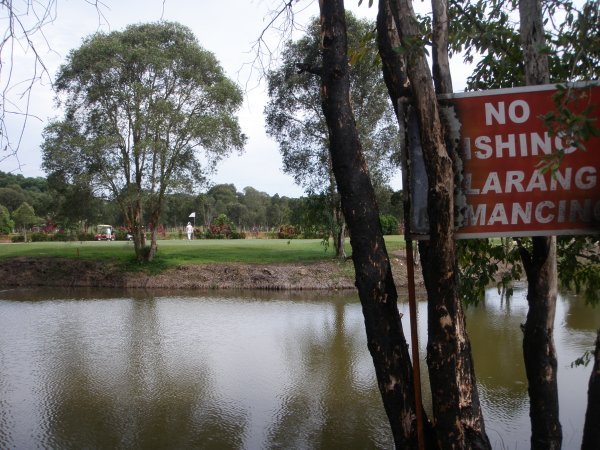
115, 369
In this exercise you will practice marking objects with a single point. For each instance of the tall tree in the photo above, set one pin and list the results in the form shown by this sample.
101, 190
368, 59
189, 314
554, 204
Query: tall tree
457, 411
294, 117
374, 281
6, 223
545, 50
256, 203
11, 197
24, 218
140, 104
539, 350
73, 205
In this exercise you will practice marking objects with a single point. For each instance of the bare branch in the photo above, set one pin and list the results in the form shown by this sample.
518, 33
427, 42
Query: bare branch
24, 22
281, 21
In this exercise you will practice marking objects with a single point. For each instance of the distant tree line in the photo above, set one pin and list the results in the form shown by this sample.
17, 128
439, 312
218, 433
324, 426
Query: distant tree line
56, 206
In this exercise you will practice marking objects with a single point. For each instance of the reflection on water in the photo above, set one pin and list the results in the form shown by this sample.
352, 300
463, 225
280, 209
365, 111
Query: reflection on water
111, 369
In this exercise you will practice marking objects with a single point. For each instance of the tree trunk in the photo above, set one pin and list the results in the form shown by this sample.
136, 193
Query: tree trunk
540, 266
393, 63
538, 343
457, 411
591, 430
441, 63
339, 226
137, 230
376, 289
151, 252
340, 240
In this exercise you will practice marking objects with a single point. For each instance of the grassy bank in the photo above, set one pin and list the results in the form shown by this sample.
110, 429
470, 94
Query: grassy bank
173, 253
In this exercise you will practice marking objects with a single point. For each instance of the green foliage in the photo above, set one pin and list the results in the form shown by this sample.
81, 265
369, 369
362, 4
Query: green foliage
62, 236
223, 228
485, 32
575, 54
288, 232
39, 237
24, 216
295, 119
120, 234
389, 224
483, 262
11, 197
310, 215
27, 184
73, 204
579, 265
250, 210
574, 128
390, 202
76, 206
147, 111
6, 223
17, 189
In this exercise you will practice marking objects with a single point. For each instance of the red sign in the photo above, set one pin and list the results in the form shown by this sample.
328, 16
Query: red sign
505, 144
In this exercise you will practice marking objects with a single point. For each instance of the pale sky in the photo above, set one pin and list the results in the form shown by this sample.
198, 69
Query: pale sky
228, 28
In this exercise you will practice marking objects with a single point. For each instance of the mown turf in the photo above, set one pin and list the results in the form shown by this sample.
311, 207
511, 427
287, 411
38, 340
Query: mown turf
180, 252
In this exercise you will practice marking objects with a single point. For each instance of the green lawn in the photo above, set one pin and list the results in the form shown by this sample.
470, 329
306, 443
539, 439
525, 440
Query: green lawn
177, 252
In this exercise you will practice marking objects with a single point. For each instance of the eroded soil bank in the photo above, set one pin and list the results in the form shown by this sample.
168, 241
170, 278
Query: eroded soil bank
334, 275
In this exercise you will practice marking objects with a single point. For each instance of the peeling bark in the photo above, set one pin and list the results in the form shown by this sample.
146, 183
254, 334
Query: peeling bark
441, 62
457, 411
374, 282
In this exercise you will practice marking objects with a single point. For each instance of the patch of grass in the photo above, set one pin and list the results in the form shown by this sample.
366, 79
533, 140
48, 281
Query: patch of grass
172, 253
395, 242
117, 251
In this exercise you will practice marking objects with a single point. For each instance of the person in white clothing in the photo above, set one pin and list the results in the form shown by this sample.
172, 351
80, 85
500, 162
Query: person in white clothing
190, 230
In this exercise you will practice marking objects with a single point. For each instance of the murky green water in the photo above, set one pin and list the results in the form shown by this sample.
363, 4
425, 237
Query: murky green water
112, 369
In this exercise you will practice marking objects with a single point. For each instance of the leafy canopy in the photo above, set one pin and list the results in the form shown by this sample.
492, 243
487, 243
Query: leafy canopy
486, 33
140, 104
294, 116
6, 223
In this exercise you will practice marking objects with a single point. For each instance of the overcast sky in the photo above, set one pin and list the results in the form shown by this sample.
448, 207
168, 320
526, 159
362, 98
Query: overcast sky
228, 28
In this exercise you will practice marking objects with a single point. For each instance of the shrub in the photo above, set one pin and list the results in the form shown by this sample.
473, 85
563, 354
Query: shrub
18, 238
223, 228
38, 237
61, 236
121, 234
389, 224
288, 232
6, 224
217, 232
314, 232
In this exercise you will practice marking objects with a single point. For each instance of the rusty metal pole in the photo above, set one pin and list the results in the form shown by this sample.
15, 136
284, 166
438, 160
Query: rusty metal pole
414, 341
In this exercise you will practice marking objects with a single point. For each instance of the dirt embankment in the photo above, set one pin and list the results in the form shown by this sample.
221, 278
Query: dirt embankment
333, 275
